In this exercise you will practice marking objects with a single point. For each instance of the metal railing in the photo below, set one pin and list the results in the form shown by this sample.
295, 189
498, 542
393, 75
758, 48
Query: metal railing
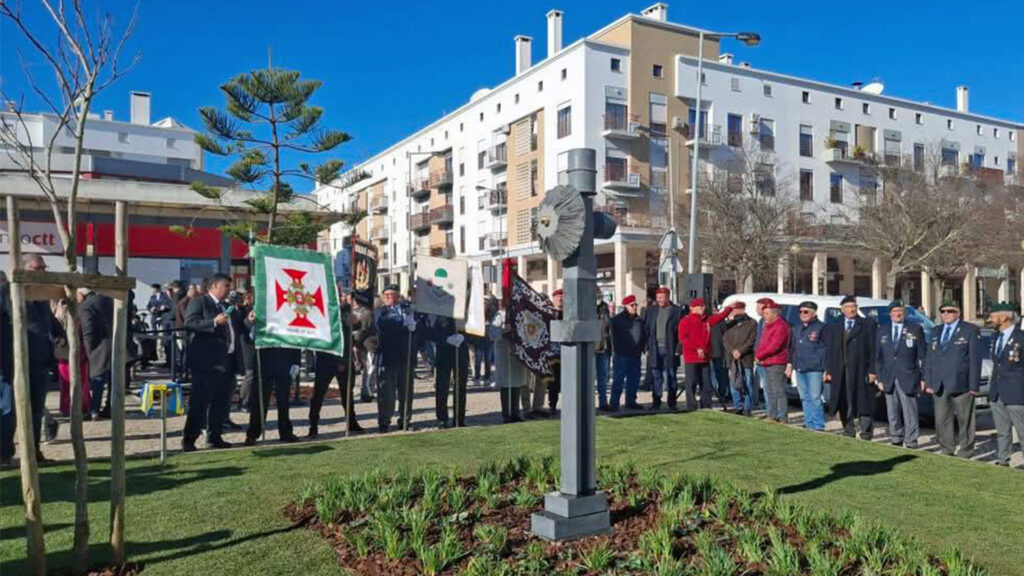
419, 221
442, 215
629, 123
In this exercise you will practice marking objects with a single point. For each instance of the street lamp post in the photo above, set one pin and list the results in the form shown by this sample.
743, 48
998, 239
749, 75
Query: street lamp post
750, 39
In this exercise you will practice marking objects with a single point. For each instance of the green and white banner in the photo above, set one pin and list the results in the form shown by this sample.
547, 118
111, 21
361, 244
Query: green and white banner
296, 300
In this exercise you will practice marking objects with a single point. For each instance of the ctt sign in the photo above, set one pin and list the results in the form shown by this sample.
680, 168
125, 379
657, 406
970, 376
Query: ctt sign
36, 237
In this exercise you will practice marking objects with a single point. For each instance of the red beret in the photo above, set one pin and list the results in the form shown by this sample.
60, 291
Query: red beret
739, 305
663, 290
765, 301
629, 300
557, 292
769, 303
696, 302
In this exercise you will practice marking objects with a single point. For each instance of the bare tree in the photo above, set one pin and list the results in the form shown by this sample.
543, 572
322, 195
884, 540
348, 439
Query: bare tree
87, 56
748, 212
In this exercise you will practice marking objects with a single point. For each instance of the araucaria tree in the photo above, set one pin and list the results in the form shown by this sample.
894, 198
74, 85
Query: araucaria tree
82, 54
268, 118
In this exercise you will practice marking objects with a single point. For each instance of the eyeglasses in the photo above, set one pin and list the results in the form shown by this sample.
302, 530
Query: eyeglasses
807, 311
948, 311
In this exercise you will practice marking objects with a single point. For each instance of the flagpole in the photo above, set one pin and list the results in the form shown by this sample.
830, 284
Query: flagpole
259, 364
347, 346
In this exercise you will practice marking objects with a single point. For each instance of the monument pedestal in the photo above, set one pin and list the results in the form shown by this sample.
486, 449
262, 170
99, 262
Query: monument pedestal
568, 517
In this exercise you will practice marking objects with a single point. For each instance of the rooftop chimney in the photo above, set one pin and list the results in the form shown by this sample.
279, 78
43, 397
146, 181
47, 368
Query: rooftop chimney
725, 58
962, 99
658, 12
140, 108
744, 64
554, 32
523, 54
108, 115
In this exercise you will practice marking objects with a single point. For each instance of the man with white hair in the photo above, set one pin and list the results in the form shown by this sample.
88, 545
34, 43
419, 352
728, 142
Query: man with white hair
1006, 384
40, 328
96, 315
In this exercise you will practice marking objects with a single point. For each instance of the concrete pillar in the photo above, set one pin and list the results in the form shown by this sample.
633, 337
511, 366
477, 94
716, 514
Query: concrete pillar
554, 275
970, 294
879, 270
927, 294
782, 272
622, 271
1003, 292
819, 270
847, 270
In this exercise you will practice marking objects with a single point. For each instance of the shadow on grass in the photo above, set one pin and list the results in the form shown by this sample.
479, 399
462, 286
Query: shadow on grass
292, 451
18, 531
849, 470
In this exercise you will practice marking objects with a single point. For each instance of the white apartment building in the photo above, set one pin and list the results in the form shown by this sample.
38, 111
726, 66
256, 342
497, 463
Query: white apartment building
468, 184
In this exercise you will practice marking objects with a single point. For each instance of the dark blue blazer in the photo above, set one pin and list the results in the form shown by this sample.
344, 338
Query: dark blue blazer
900, 362
956, 367
1007, 380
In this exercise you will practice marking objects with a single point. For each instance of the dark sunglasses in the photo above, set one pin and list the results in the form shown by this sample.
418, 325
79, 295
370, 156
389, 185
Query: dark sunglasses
807, 311
948, 311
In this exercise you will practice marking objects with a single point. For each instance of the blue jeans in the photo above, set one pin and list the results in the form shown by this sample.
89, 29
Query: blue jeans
763, 384
664, 376
744, 392
602, 361
627, 375
96, 386
482, 355
6, 419
809, 384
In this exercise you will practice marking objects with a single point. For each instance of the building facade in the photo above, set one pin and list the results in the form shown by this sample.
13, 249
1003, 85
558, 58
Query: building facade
468, 185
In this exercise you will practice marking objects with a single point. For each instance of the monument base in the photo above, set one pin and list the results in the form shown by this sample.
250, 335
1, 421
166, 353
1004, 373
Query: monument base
567, 517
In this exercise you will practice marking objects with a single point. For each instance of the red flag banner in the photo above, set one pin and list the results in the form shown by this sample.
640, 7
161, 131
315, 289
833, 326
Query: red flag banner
528, 327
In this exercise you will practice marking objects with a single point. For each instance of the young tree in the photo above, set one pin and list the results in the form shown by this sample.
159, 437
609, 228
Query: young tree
268, 115
748, 213
87, 55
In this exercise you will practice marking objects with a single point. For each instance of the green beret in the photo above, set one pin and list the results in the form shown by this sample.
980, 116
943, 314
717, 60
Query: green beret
1003, 307
950, 304
897, 303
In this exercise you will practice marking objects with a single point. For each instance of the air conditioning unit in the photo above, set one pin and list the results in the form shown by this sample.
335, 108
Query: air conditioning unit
634, 127
755, 124
633, 180
505, 129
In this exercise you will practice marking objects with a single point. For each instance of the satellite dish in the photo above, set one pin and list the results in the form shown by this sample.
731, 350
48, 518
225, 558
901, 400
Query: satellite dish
873, 87
560, 222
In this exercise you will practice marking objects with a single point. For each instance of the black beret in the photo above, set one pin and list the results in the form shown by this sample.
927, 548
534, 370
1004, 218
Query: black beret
808, 304
848, 300
391, 287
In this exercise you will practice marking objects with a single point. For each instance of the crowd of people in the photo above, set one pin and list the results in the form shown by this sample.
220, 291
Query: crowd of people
205, 332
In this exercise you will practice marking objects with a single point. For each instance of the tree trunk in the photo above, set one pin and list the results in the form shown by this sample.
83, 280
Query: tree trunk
80, 562
118, 385
23, 408
890, 283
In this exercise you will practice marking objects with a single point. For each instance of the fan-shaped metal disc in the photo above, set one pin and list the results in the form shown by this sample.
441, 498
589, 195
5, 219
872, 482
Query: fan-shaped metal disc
560, 221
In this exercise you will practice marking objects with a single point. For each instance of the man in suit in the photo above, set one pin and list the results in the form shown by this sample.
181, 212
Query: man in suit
40, 330
1006, 384
851, 354
331, 367
452, 359
213, 327
661, 326
953, 377
278, 367
96, 314
900, 353
395, 323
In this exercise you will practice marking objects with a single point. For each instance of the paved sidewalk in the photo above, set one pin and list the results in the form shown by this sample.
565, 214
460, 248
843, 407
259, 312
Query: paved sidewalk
483, 409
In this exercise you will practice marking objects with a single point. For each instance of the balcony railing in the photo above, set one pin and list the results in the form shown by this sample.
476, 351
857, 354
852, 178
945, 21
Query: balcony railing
443, 251
618, 176
626, 219
497, 156
497, 199
420, 221
621, 125
709, 135
378, 232
440, 178
1012, 179
442, 215
379, 203
496, 240
421, 189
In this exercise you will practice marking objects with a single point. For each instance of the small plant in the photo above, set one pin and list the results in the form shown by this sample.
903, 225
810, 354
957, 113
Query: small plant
534, 561
457, 498
493, 539
395, 545
821, 561
487, 488
786, 512
830, 142
598, 558
784, 559
360, 540
716, 561
649, 480
537, 474
418, 521
764, 509
749, 545
449, 546
430, 558
526, 497
658, 544
485, 566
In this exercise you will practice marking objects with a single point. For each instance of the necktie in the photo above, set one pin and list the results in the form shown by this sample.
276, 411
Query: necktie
895, 333
1001, 343
849, 325
945, 334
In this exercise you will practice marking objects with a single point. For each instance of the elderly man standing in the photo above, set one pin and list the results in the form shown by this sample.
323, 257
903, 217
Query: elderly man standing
953, 377
395, 324
897, 372
738, 347
807, 356
627, 343
1006, 389
661, 324
96, 314
851, 355
695, 336
772, 355
40, 330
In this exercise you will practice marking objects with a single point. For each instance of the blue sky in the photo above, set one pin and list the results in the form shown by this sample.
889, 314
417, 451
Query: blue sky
389, 68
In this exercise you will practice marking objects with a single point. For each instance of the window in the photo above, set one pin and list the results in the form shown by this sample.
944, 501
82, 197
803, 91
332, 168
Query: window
806, 140
919, 118
540, 86
835, 189
865, 107
658, 115
735, 130
534, 177
839, 103
497, 108
976, 161
767, 88
481, 116
462, 168
995, 132
170, 142
805, 97
122, 137
735, 84
918, 157
949, 124
693, 122
480, 159
766, 134
765, 174
868, 186
1011, 165
615, 115
445, 137
892, 113
807, 186
516, 98
978, 129
462, 238
1013, 136
658, 71
950, 157
565, 73
565, 122
481, 241
616, 65
462, 209
460, 126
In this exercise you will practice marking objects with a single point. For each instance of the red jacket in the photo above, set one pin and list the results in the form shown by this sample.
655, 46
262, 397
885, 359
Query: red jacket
774, 346
695, 335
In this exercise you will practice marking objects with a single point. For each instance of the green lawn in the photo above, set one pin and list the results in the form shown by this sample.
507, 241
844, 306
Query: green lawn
220, 512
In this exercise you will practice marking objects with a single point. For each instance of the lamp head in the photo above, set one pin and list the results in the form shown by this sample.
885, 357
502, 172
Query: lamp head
749, 38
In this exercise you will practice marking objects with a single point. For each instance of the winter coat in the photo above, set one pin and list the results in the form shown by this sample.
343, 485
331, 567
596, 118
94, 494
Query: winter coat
773, 349
739, 335
627, 335
695, 335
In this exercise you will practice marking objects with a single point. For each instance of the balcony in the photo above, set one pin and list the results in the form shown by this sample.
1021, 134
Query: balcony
497, 157
625, 126
379, 203
441, 178
383, 261
1011, 179
948, 171
626, 219
420, 222
496, 241
709, 136
421, 189
442, 215
497, 200
446, 250
378, 232
839, 155
619, 179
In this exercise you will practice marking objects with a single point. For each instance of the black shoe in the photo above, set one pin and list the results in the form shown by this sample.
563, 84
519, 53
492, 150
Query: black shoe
219, 443
40, 459
290, 438
634, 406
365, 398
1003, 464
355, 428
94, 416
313, 433
250, 441
231, 425
188, 446
382, 428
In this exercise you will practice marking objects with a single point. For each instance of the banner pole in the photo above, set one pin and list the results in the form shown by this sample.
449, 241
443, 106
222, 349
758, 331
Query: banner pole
456, 399
263, 412
348, 374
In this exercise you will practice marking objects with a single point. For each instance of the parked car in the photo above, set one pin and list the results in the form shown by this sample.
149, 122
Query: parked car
829, 312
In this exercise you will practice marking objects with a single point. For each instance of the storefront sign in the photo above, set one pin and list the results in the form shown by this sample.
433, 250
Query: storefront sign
36, 238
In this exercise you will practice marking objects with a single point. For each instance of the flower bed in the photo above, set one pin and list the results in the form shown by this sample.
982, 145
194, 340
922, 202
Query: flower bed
433, 523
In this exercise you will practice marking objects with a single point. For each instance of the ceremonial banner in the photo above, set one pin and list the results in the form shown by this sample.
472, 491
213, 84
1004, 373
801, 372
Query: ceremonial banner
476, 322
362, 281
441, 287
296, 300
528, 327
